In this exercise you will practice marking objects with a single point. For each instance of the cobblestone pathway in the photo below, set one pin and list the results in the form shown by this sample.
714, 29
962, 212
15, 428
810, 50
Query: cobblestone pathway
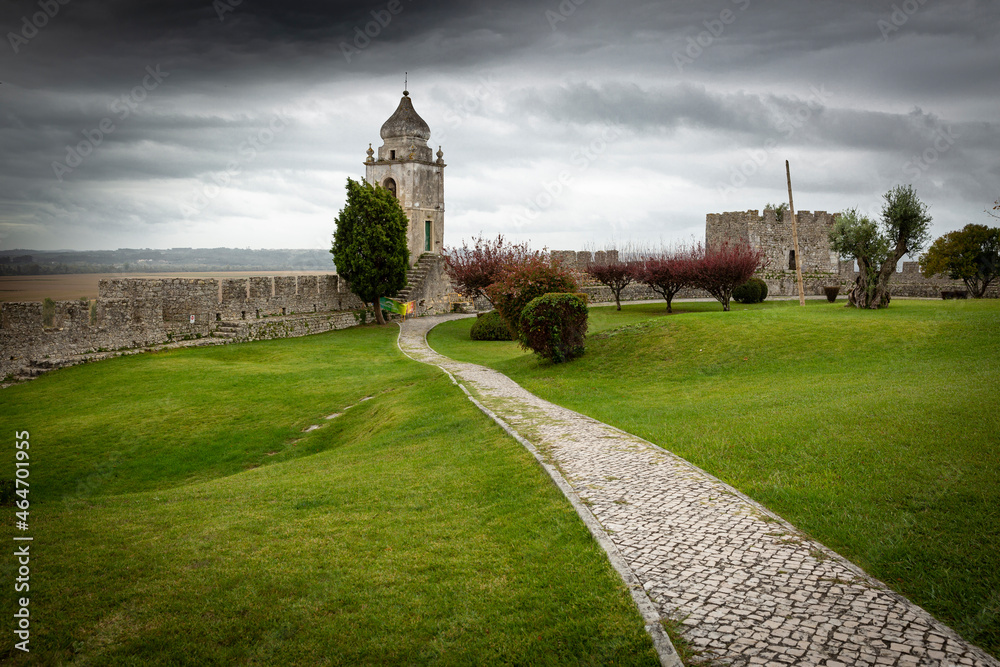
748, 587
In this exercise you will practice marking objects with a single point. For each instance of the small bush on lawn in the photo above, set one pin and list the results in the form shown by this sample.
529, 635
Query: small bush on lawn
752, 291
554, 326
490, 326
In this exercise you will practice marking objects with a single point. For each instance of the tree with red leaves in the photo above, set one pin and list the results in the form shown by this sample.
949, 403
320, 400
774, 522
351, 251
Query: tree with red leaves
520, 283
474, 269
666, 272
617, 274
720, 269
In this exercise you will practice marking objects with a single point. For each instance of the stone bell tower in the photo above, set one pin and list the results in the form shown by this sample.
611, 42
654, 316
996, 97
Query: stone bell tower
406, 166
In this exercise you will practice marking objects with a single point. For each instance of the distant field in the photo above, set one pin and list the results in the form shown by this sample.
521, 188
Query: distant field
84, 285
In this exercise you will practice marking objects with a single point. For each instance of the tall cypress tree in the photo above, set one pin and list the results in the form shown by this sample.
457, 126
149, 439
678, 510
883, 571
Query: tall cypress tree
369, 245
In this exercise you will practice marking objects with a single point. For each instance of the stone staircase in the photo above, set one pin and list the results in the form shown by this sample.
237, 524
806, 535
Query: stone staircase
226, 330
36, 368
415, 277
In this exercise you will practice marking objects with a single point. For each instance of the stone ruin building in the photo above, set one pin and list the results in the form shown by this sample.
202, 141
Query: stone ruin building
132, 314
821, 267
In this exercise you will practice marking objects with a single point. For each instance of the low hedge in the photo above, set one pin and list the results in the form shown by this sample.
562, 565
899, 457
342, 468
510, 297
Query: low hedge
752, 291
490, 326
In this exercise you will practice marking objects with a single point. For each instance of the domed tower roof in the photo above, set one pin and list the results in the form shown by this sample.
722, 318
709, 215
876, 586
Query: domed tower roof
405, 122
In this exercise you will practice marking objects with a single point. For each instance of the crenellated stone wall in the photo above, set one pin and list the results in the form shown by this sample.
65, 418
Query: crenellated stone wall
908, 282
775, 237
118, 324
211, 300
821, 267
133, 313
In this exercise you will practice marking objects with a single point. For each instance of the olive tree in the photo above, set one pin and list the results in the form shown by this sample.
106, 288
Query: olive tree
878, 246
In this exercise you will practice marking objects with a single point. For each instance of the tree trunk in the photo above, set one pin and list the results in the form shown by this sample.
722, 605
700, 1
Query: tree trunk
378, 312
871, 289
976, 286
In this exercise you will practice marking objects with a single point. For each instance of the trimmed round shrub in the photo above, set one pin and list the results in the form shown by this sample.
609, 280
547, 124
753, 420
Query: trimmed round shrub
554, 325
490, 326
752, 291
523, 282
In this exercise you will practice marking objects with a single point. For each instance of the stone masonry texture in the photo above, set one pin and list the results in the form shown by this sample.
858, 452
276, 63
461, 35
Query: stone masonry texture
748, 587
135, 313
820, 265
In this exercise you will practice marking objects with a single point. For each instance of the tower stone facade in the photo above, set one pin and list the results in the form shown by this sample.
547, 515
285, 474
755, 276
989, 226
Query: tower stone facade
774, 235
407, 167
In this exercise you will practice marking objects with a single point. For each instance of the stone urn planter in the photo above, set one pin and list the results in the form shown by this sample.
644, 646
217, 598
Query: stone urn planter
831, 292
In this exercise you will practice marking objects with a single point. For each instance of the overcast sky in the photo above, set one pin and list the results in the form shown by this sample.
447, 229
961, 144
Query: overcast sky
571, 124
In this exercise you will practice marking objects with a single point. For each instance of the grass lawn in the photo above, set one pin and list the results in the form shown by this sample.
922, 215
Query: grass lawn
877, 432
183, 513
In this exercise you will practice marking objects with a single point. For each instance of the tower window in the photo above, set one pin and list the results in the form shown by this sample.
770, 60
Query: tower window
427, 235
392, 155
390, 185
791, 260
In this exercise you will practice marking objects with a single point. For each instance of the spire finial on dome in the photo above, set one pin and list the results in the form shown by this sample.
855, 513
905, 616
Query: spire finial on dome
405, 122
406, 92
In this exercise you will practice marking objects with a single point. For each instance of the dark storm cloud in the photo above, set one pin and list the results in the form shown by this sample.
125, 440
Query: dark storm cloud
862, 92
787, 119
91, 44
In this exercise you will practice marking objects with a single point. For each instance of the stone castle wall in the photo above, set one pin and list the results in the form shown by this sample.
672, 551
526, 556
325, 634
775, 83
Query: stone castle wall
775, 237
821, 266
134, 313
117, 324
211, 300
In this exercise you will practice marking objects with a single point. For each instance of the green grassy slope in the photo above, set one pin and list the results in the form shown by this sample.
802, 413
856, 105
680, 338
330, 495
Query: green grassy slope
182, 515
876, 432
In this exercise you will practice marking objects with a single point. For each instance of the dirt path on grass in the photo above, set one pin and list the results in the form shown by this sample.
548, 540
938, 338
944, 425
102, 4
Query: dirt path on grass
747, 587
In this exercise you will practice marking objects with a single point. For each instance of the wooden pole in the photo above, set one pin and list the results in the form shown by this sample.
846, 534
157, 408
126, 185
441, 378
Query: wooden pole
795, 238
